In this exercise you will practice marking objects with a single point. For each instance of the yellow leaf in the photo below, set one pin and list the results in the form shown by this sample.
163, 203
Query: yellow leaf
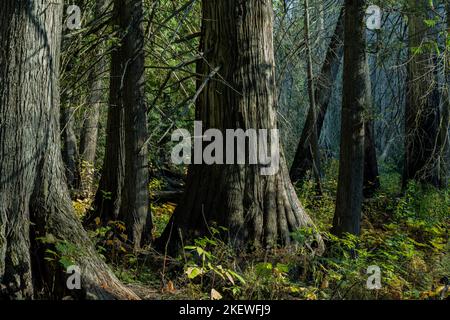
215, 295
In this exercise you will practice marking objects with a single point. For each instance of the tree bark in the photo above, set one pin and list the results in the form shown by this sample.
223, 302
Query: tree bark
34, 198
356, 99
108, 198
422, 107
135, 195
89, 133
70, 149
257, 210
313, 139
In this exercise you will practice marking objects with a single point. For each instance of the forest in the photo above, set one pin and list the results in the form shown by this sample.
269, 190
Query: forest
224, 150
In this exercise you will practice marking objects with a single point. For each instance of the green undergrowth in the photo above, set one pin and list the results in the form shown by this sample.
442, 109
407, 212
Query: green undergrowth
404, 236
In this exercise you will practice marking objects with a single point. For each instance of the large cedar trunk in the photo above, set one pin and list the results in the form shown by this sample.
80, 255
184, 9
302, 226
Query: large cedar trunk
355, 102
422, 106
34, 200
257, 210
135, 195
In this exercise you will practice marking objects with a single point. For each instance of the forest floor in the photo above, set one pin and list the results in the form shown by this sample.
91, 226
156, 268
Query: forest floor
405, 235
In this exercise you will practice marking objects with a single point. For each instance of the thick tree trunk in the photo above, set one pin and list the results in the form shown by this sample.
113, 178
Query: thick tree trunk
422, 109
303, 158
135, 196
34, 201
356, 99
257, 210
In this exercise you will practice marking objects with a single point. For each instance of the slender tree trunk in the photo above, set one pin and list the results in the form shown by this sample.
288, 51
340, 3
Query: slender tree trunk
303, 160
356, 98
135, 196
422, 109
70, 149
89, 132
109, 194
313, 139
257, 210
371, 174
34, 198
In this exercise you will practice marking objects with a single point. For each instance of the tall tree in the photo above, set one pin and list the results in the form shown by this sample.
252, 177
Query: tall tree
444, 139
35, 208
257, 210
109, 193
135, 195
313, 139
371, 180
422, 106
324, 87
355, 102
89, 133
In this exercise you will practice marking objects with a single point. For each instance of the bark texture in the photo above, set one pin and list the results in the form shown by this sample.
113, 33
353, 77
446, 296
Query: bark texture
89, 133
135, 195
257, 210
34, 198
355, 102
108, 198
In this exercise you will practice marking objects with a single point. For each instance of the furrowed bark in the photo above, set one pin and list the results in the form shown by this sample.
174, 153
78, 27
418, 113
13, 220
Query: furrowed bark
257, 210
355, 102
135, 196
34, 198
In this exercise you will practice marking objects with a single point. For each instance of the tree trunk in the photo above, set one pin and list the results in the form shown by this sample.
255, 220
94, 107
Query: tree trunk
303, 160
422, 109
89, 132
135, 196
70, 150
257, 210
34, 200
108, 198
371, 181
313, 139
356, 98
